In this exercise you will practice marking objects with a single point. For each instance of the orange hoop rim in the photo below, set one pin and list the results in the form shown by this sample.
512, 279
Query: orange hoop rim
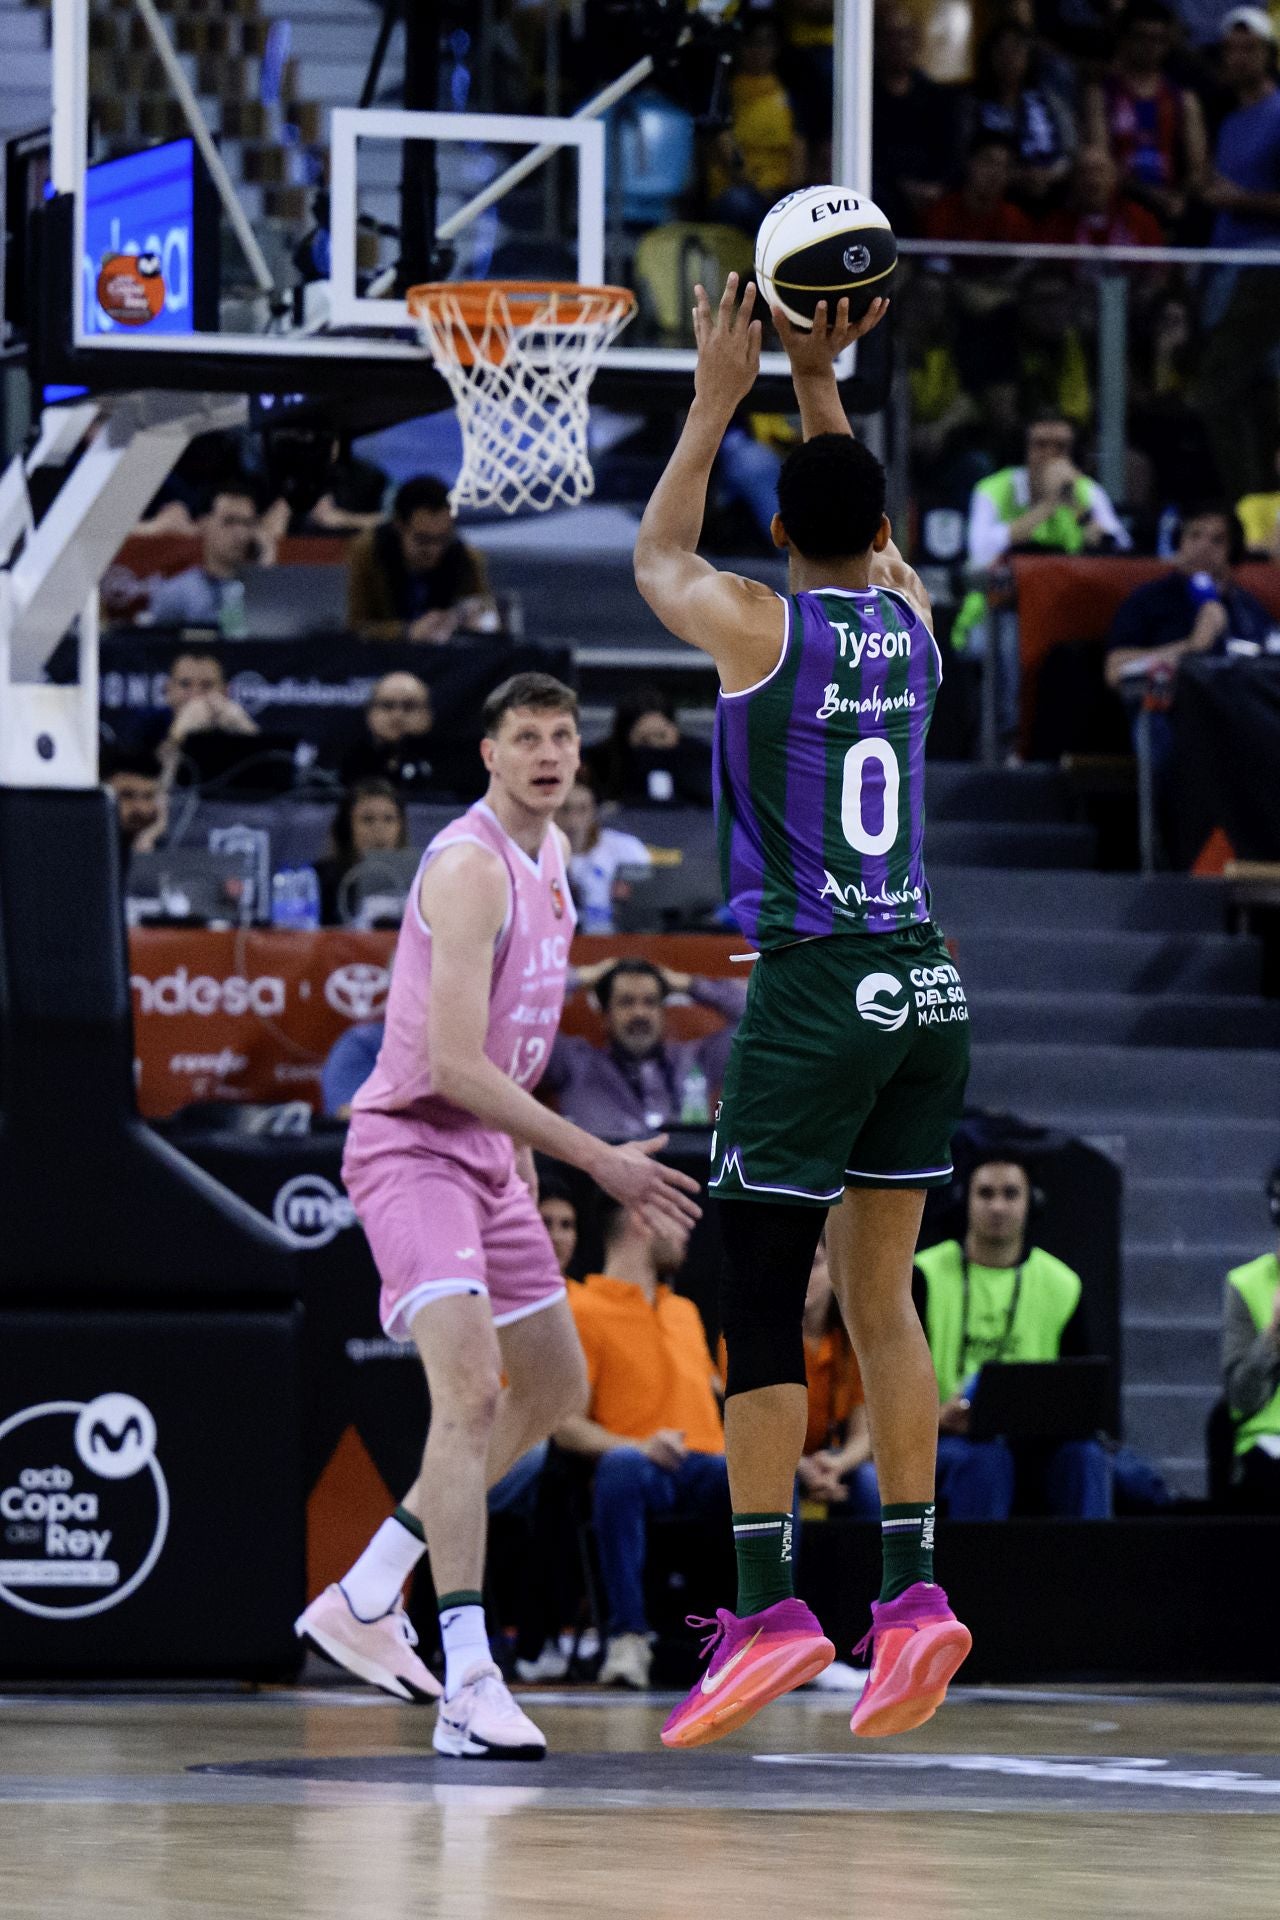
467, 320
471, 298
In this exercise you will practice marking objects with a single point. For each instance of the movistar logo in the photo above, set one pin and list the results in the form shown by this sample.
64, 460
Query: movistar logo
875, 1001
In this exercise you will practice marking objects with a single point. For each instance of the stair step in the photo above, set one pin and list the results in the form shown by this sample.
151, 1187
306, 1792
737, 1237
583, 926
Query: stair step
1163, 1421
1173, 1211
1183, 1351
968, 900
1165, 1146
1126, 1019
1039, 844
959, 790
1186, 1282
1041, 1082
1150, 963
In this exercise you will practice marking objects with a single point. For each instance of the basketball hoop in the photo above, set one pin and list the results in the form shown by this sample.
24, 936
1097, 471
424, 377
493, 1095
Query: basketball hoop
520, 356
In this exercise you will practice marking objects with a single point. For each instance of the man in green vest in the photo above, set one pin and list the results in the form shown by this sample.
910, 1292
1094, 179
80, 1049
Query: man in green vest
1251, 1371
1045, 506
995, 1296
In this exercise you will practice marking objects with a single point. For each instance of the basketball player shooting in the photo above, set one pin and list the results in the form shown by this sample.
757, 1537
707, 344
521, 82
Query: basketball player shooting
847, 1074
439, 1164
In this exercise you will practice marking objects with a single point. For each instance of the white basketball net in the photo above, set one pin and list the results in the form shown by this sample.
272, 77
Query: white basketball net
519, 363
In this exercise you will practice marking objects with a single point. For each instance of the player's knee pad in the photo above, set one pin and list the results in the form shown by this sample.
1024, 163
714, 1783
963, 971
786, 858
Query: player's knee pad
768, 1252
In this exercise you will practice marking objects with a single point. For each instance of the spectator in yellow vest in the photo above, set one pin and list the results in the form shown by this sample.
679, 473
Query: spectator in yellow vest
1251, 1373
996, 1296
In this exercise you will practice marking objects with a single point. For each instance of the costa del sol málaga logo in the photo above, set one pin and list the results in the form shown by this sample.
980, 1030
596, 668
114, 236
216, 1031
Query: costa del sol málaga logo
876, 993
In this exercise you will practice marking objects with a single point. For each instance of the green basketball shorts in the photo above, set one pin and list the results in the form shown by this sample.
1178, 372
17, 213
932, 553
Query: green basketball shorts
848, 1070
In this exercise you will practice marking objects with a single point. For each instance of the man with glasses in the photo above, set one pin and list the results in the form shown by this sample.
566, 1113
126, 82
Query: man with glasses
400, 744
411, 578
1046, 506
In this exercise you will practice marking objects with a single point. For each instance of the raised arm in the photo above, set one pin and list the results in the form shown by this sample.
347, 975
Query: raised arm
739, 622
813, 357
463, 897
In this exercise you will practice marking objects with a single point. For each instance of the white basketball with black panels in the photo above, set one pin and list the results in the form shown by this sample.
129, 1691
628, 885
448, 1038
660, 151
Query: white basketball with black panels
824, 243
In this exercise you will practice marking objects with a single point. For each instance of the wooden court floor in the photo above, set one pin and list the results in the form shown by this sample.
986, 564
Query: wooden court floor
324, 1804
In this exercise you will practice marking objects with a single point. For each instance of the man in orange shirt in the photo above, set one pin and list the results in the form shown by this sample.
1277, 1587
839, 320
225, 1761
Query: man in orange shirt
652, 1424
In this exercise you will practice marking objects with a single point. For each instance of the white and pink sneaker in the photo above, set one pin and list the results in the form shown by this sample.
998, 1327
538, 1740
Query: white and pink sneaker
483, 1722
380, 1651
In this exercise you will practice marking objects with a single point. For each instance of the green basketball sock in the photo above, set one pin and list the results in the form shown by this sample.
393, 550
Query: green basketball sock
906, 1535
411, 1522
762, 1542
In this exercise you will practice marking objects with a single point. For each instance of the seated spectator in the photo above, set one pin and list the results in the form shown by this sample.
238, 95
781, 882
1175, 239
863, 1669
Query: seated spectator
560, 1218
596, 853
1032, 355
212, 593
1008, 97
997, 1296
142, 801
837, 1442
652, 1424
370, 819
912, 124
412, 578
1195, 608
1236, 392
647, 761
1096, 213
1048, 505
1251, 1373
980, 208
759, 156
943, 413
1259, 516
325, 487
350, 1061
196, 696
640, 1081
1153, 128
401, 746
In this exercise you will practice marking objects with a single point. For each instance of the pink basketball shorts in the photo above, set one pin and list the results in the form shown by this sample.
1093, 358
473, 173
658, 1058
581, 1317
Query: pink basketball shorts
437, 1227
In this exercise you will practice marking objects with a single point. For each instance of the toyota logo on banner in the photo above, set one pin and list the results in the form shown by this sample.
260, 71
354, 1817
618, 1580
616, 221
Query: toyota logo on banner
358, 991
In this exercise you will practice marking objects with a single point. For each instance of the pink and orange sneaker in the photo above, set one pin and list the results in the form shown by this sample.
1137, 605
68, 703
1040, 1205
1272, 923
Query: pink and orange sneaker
753, 1661
917, 1644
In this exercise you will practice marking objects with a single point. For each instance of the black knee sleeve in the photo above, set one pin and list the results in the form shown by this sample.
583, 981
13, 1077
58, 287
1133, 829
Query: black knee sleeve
768, 1250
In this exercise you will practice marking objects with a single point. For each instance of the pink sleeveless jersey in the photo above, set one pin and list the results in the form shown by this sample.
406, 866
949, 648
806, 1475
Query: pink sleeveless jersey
531, 960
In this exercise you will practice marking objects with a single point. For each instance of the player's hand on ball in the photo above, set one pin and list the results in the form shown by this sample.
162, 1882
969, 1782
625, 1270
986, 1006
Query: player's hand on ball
816, 349
662, 1194
728, 346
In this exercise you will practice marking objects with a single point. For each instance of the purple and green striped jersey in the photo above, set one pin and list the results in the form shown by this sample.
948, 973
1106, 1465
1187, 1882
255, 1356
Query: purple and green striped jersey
819, 773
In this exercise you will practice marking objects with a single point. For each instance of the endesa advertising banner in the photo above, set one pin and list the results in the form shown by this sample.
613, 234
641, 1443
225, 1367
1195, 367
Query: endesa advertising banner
252, 1016
245, 1015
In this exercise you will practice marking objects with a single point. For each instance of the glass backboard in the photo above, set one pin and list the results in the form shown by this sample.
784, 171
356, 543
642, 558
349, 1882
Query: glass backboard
243, 197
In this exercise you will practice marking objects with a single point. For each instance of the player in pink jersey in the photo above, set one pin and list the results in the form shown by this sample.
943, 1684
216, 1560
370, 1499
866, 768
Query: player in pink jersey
439, 1163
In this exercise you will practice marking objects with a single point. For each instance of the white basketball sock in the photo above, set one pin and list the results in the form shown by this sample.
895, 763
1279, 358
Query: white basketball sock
374, 1583
466, 1643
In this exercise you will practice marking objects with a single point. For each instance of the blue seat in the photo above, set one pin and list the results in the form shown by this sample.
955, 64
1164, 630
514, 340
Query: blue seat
652, 155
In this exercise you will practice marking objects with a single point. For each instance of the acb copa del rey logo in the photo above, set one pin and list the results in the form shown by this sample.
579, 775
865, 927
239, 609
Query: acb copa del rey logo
84, 1505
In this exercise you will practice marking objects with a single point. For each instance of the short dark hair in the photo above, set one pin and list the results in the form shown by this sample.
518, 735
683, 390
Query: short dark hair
424, 490
831, 497
198, 653
229, 489
1142, 13
607, 981
540, 691
142, 762
999, 1155
1215, 510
